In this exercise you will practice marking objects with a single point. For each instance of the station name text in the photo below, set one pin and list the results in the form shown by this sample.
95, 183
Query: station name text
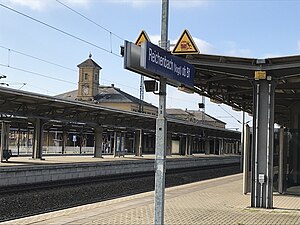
169, 64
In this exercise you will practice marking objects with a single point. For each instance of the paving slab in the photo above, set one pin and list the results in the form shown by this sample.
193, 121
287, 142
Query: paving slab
215, 201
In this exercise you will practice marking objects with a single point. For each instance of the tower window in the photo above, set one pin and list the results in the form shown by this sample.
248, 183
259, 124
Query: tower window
86, 75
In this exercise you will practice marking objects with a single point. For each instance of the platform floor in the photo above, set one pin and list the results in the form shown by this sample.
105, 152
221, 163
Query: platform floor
65, 159
216, 201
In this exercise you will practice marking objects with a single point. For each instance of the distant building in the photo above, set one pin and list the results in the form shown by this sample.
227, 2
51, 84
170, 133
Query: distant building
196, 117
180, 114
89, 90
207, 119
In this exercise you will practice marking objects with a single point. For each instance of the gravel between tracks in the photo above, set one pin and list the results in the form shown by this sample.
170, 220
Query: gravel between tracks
21, 204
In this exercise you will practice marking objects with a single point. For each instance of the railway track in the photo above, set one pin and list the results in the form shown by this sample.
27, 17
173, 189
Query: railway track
22, 201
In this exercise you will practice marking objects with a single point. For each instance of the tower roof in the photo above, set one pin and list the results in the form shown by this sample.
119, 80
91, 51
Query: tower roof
89, 63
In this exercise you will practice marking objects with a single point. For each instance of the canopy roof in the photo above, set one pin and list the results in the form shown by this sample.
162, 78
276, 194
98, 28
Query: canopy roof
229, 80
16, 104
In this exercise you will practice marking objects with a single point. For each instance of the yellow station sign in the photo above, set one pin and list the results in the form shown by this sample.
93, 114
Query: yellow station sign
260, 75
185, 45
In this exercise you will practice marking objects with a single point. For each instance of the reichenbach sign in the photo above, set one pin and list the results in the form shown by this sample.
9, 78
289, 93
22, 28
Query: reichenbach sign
161, 62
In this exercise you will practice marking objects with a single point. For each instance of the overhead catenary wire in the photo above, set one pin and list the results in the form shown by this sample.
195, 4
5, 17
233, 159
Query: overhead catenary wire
36, 58
54, 64
59, 30
37, 74
58, 65
229, 114
12, 83
22, 86
90, 20
66, 33
43, 89
73, 36
111, 34
47, 76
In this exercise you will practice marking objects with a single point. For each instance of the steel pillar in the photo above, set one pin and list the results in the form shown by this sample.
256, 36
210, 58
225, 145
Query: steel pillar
242, 141
123, 140
294, 151
222, 146
161, 129
282, 162
98, 134
116, 143
169, 144
246, 158
263, 135
4, 138
138, 144
160, 157
37, 152
64, 141
80, 142
190, 145
185, 145
18, 144
182, 149
207, 147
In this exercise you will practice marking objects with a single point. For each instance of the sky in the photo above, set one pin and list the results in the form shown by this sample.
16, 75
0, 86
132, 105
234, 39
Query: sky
241, 28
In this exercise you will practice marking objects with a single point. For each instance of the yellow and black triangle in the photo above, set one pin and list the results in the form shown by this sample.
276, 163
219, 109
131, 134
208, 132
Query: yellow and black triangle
185, 45
142, 37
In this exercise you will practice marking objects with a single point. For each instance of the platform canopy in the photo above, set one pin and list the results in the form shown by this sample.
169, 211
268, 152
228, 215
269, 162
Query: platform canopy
229, 80
18, 106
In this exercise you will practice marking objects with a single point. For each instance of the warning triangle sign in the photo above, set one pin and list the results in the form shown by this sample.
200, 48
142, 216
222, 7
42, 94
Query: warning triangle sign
142, 37
185, 45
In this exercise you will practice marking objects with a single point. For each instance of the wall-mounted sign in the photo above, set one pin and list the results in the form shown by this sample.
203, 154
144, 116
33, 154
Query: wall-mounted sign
185, 45
260, 75
142, 37
156, 60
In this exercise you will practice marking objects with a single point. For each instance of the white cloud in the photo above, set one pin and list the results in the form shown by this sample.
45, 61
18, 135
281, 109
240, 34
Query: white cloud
78, 2
172, 3
40, 5
32, 4
275, 55
188, 3
234, 50
136, 3
239, 52
44, 4
203, 46
154, 39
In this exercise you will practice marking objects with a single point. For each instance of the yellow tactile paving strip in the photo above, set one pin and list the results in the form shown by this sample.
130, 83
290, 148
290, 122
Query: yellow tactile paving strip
217, 201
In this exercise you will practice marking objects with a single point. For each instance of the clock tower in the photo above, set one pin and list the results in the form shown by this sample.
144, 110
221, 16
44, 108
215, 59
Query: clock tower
89, 74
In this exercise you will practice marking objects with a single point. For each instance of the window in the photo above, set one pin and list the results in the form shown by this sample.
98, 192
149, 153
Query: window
86, 76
